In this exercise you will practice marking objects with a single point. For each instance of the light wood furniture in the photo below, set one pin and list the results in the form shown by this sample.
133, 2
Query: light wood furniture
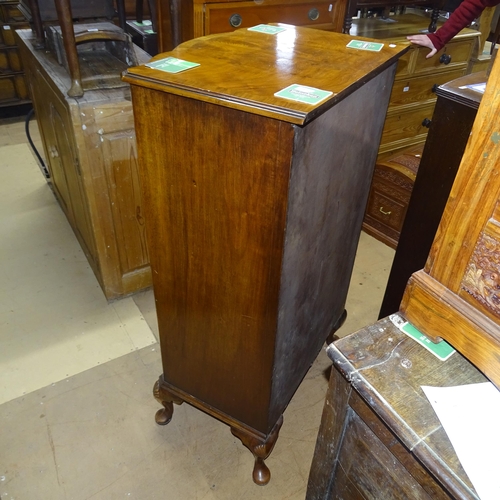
65, 11
179, 21
413, 95
254, 206
410, 110
13, 88
455, 112
456, 296
89, 144
379, 436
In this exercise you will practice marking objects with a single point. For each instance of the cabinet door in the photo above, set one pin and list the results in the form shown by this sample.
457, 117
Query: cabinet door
56, 129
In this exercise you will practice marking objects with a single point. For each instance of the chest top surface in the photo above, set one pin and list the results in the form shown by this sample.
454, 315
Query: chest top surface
246, 68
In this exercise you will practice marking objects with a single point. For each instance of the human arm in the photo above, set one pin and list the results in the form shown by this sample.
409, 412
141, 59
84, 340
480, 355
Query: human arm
461, 17
424, 41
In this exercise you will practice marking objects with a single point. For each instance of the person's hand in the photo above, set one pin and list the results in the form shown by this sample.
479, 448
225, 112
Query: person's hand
425, 41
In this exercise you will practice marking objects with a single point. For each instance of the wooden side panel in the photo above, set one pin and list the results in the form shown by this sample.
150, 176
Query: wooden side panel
330, 180
120, 163
329, 441
215, 192
371, 468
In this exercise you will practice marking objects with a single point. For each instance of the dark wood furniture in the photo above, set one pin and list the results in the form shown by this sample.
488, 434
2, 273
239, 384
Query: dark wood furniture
379, 436
13, 88
89, 144
179, 21
390, 193
456, 109
254, 206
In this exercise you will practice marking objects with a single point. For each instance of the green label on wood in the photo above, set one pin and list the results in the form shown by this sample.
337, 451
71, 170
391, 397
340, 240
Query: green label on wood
361, 45
172, 65
301, 93
265, 28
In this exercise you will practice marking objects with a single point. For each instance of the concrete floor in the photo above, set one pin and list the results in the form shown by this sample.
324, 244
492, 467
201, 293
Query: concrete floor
76, 372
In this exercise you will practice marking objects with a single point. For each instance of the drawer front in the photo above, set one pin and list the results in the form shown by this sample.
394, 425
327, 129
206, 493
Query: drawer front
13, 89
7, 33
385, 209
458, 51
418, 89
10, 61
407, 124
9, 13
221, 18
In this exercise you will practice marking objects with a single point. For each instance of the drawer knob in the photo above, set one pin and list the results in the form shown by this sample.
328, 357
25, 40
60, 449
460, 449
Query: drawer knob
426, 123
385, 213
445, 59
434, 88
235, 20
313, 14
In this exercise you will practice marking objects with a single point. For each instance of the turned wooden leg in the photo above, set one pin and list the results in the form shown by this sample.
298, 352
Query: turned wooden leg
165, 398
37, 24
260, 449
63, 8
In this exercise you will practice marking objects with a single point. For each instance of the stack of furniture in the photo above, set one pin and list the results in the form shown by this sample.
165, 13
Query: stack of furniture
456, 110
85, 117
254, 205
13, 88
376, 410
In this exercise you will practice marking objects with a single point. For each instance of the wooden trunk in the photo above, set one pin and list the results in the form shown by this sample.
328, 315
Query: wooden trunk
379, 436
254, 208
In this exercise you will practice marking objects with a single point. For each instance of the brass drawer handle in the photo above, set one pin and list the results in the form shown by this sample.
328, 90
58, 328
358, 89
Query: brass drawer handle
313, 14
235, 20
385, 213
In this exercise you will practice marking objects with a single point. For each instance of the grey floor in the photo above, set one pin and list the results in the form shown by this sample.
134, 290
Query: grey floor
76, 372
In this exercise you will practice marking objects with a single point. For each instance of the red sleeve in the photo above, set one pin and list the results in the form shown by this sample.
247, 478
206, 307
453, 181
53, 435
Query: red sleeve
461, 17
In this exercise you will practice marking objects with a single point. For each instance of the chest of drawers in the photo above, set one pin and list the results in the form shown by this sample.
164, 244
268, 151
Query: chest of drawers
413, 95
181, 21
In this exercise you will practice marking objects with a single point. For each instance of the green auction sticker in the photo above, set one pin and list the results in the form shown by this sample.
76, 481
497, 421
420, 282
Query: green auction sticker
172, 65
301, 93
441, 350
360, 45
265, 28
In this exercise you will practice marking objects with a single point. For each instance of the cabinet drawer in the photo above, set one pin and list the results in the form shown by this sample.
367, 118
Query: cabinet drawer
405, 125
9, 13
7, 33
9, 61
12, 89
223, 17
459, 52
418, 89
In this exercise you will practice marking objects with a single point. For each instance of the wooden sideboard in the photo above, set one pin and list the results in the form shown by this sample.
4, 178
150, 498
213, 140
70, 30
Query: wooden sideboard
13, 88
254, 206
379, 436
180, 21
89, 144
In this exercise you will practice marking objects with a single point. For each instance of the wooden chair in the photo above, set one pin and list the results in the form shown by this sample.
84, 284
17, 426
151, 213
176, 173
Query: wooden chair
65, 18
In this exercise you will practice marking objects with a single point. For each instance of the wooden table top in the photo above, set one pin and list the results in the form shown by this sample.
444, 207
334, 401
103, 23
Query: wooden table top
387, 368
244, 69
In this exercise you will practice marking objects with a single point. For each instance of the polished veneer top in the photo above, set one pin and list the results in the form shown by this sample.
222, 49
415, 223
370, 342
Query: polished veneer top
244, 69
